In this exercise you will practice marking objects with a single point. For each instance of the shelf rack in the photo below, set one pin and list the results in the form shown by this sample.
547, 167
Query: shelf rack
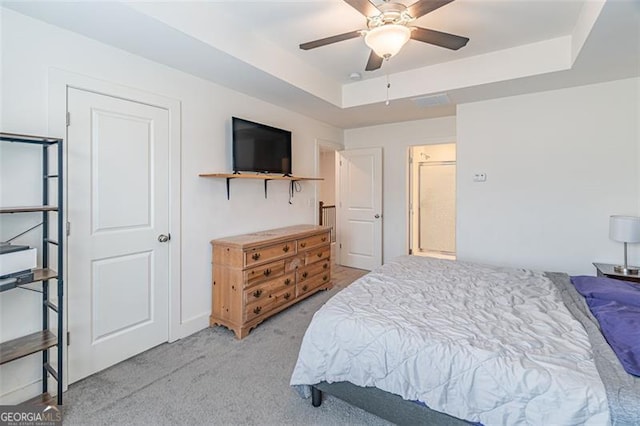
43, 340
265, 177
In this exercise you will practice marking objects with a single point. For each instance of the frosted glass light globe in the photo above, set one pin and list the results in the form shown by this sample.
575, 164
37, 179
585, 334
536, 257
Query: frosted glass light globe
387, 40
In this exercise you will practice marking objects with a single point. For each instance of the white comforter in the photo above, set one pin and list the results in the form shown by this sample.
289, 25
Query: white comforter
485, 344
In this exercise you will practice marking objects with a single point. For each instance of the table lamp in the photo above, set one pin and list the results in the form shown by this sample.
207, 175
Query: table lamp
625, 229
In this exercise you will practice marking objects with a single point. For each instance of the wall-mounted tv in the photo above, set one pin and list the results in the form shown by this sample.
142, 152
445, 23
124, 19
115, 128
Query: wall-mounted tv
260, 148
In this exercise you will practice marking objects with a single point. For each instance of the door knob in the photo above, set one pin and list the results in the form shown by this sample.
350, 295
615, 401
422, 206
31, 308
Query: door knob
377, 216
164, 238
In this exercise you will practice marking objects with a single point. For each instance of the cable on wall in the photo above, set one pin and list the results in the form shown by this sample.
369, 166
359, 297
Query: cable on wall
294, 187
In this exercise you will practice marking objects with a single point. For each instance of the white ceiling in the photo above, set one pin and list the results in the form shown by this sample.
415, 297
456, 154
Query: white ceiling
492, 25
515, 47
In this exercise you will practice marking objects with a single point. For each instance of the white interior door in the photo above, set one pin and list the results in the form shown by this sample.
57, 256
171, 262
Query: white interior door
118, 204
360, 208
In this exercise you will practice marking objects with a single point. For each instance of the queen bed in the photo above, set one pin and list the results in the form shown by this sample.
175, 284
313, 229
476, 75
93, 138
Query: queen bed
430, 341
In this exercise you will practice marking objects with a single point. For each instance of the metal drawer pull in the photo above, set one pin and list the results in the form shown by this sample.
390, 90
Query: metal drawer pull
285, 249
325, 266
257, 293
257, 310
324, 277
319, 254
305, 274
304, 288
324, 239
255, 256
287, 296
303, 245
267, 272
287, 281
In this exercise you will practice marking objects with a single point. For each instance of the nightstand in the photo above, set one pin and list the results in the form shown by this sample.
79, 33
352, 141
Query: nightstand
606, 270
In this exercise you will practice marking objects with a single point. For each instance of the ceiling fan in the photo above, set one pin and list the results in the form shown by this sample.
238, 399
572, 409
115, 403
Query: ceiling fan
387, 29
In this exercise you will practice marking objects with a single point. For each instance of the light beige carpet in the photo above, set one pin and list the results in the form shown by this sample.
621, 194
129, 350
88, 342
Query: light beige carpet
212, 378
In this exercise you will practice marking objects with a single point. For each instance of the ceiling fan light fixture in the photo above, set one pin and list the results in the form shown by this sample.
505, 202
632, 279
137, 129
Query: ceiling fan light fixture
387, 40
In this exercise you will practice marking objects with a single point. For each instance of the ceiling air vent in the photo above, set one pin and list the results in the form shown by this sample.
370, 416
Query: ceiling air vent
432, 100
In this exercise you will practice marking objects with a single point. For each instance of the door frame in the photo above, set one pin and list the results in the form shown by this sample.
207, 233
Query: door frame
337, 147
59, 82
410, 208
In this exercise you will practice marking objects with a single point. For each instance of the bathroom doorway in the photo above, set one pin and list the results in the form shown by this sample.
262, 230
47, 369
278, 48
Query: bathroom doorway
432, 200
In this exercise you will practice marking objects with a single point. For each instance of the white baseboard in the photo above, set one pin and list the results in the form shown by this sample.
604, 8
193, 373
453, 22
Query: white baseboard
21, 394
194, 324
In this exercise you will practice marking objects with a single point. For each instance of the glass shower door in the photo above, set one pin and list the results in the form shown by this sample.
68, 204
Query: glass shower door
437, 208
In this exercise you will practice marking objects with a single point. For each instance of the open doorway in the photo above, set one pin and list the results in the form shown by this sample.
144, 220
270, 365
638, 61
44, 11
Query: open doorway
326, 190
432, 200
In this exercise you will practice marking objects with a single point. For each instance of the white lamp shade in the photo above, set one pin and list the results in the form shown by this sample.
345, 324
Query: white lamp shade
387, 40
625, 229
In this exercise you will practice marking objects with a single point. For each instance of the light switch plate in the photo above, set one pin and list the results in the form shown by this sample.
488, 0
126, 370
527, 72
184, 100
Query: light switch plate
480, 177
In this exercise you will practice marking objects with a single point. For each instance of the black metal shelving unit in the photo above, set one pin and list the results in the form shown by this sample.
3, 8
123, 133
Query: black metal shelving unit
44, 340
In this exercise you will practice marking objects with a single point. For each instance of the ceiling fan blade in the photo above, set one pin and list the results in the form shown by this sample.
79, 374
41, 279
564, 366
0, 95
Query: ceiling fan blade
330, 40
365, 7
437, 38
422, 7
374, 62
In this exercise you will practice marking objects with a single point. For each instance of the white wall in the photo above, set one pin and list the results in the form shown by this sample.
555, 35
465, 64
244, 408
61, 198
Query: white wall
395, 140
558, 164
31, 48
328, 172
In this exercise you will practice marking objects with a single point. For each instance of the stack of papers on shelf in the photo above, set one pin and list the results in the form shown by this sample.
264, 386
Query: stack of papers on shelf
16, 260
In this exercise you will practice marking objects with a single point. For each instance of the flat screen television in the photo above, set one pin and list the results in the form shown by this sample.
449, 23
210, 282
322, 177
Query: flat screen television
260, 148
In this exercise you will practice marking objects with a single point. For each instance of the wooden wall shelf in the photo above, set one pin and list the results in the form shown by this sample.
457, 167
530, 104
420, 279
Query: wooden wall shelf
264, 177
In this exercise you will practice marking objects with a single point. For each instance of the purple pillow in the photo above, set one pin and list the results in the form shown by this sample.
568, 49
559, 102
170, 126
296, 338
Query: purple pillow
616, 306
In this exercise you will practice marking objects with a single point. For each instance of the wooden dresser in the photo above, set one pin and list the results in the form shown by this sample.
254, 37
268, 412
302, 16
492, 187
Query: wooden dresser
260, 274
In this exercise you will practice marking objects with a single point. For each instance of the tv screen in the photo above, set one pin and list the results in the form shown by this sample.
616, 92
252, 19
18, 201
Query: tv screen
260, 148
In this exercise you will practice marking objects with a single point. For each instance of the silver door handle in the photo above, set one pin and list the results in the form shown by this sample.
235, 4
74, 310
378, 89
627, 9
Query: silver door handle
164, 238
377, 216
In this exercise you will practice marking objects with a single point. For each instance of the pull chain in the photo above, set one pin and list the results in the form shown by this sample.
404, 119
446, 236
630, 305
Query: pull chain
388, 87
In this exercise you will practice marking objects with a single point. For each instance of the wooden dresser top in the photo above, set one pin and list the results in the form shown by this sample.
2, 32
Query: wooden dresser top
270, 236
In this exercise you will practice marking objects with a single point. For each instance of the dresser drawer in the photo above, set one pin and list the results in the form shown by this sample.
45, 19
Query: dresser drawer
266, 289
262, 307
263, 272
312, 283
312, 270
290, 265
268, 253
314, 241
318, 254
